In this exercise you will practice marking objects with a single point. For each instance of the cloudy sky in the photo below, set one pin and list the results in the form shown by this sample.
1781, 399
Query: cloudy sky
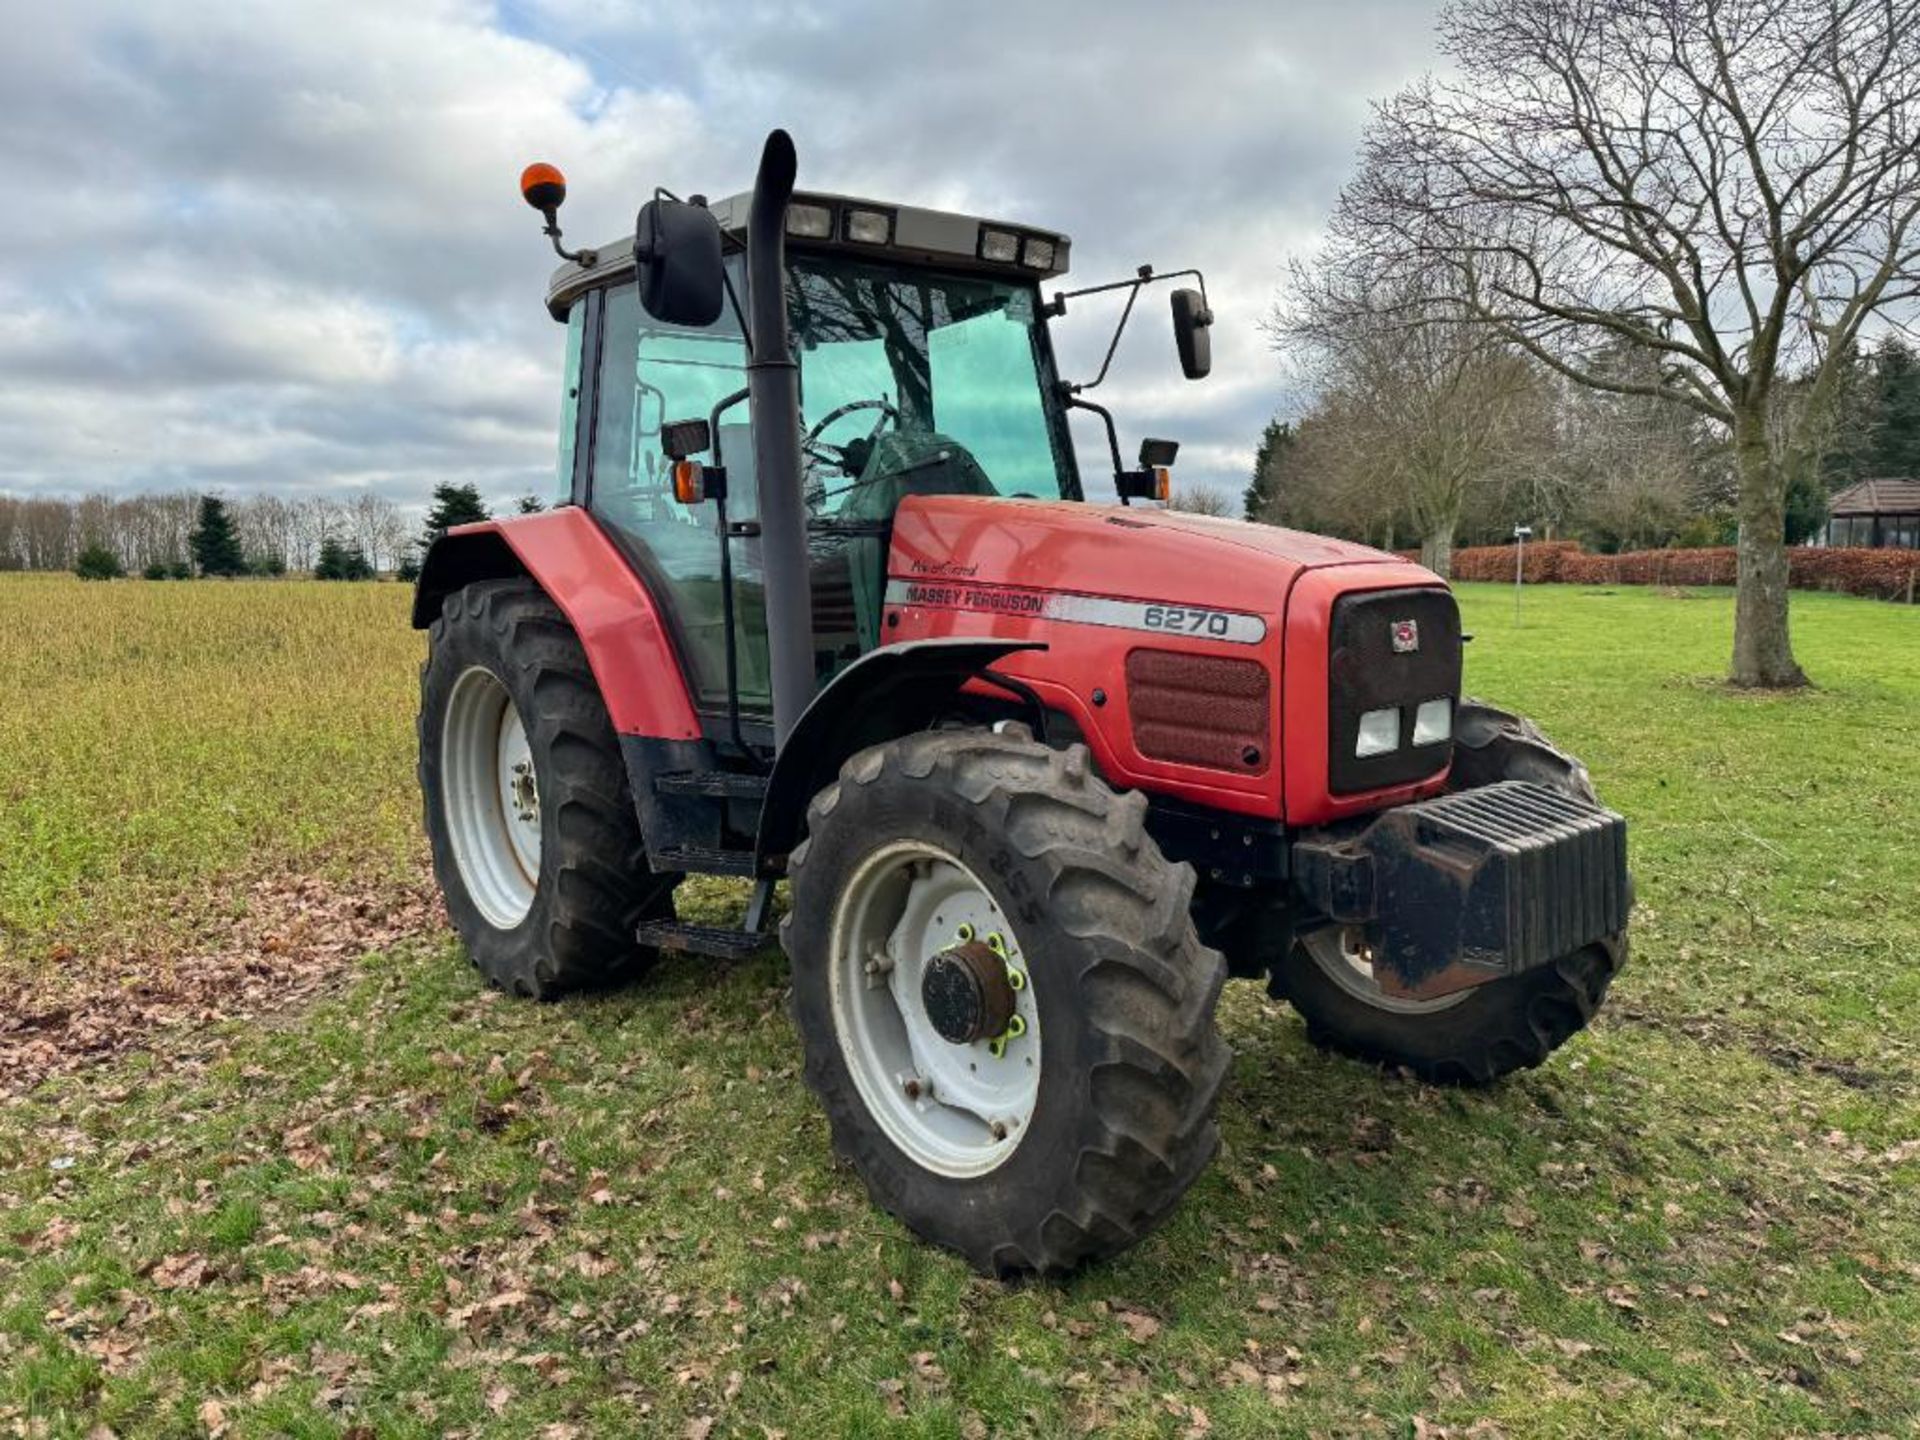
259, 245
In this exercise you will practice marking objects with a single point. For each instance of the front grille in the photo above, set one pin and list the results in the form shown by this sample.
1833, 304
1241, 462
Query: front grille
1365, 672
1200, 710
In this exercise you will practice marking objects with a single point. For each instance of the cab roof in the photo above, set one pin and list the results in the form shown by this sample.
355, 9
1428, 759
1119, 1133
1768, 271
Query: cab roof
915, 237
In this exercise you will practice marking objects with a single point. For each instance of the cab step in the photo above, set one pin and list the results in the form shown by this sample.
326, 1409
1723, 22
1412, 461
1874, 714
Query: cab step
711, 784
719, 941
703, 860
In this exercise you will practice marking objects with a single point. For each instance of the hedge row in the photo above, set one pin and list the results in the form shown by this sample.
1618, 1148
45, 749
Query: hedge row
1880, 574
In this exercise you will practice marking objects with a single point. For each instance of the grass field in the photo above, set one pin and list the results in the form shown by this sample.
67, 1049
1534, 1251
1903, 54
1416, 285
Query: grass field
405, 1206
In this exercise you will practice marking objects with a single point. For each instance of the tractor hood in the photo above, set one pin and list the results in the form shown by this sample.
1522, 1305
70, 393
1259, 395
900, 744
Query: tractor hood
1130, 553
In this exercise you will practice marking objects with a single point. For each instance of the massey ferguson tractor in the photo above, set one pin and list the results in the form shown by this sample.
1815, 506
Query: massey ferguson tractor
823, 601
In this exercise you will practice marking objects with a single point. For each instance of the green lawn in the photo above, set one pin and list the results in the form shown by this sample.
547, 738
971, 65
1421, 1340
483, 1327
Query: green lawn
412, 1207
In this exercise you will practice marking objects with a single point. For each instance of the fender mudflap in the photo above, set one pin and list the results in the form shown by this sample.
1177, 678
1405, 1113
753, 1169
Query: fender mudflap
1473, 886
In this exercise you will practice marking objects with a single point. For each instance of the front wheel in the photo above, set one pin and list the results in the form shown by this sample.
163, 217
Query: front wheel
1471, 1036
535, 840
1005, 1009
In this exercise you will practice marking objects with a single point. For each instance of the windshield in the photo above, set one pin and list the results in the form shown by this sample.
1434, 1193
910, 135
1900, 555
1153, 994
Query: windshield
914, 382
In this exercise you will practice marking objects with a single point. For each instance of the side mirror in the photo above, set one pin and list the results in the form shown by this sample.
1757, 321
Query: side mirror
1191, 320
676, 257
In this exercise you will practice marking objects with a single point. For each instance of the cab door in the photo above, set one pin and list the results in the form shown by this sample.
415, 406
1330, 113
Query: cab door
651, 373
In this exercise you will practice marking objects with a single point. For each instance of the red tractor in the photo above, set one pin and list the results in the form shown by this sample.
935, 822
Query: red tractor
823, 601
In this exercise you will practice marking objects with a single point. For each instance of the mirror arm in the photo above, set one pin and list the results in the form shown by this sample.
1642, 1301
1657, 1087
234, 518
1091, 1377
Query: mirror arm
713, 420
732, 644
1074, 402
1142, 277
1146, 272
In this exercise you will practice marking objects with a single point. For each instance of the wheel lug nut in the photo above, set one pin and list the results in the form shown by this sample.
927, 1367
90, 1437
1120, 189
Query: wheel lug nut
999, 1128
914, 1089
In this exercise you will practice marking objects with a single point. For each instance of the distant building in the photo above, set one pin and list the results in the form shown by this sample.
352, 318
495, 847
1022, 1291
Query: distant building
1882, 514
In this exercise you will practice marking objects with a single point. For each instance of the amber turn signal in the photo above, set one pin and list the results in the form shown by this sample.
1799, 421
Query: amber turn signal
1162, 483
689, 482
543, 187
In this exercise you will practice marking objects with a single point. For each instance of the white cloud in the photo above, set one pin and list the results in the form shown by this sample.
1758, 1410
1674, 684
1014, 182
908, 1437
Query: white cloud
278, 246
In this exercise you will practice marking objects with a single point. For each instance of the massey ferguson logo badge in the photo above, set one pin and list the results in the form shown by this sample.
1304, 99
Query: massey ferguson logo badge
1406, 636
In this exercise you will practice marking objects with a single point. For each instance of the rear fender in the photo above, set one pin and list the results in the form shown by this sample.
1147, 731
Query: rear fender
565, 552
892, 691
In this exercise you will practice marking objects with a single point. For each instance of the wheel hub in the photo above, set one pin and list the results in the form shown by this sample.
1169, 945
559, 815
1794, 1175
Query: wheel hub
967, 994
935, 1009
526, 793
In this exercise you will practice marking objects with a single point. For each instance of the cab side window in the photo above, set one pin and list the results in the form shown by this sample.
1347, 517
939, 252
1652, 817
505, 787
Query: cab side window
570, 405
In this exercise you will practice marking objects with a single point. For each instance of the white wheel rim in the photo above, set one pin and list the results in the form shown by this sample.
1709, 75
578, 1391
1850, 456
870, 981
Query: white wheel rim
1340, 952
958, 1110
491, 798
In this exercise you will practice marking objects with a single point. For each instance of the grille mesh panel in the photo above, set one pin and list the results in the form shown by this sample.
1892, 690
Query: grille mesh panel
1200, 710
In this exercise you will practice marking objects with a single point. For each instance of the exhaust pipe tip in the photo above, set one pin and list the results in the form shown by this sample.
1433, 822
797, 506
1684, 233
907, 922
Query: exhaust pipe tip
779, 164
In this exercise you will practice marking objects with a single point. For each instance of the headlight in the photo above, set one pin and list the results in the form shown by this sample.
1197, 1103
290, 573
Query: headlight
1433, 722
999, 246
811, 222
1037, 254
1379, 733
869, 227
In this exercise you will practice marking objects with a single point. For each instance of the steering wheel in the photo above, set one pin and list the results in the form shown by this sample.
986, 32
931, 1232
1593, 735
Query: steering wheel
841, 456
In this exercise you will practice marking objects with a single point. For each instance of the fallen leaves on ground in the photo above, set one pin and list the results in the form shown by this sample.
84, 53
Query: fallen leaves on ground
291, 936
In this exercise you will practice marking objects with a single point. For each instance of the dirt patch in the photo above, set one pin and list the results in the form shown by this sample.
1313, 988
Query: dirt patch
285, 937
1717, 1033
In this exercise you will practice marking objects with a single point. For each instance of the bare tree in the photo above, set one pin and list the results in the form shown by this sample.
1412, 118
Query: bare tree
1429, 403
375, 526
47, 534
1634, 468
265, 523
1200, 500
313, 519
1728, 185
10, 532
1312, 484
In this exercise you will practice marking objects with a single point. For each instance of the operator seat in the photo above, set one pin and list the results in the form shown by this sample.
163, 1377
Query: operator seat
901, 463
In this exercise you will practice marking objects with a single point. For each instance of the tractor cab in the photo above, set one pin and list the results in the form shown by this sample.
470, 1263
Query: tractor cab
924, 368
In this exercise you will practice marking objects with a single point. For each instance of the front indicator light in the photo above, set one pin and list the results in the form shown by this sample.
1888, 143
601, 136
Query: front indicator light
689, 482
1433, 722
1379, 734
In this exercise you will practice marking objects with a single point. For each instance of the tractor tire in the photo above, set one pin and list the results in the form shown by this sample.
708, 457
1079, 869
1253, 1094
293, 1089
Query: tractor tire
1475, 1036
1109, 1088
536, 843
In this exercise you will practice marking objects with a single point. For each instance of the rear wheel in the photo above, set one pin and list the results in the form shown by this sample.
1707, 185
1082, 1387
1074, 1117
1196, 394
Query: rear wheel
1471, 1036
535, 841
1004, 1006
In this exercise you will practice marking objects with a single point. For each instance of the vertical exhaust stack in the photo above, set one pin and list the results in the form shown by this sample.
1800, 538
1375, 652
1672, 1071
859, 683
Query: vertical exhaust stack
773, 397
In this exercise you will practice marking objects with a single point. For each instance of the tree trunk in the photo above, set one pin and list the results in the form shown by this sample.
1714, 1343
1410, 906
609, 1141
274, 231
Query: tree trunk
1436, 550
1762, 650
